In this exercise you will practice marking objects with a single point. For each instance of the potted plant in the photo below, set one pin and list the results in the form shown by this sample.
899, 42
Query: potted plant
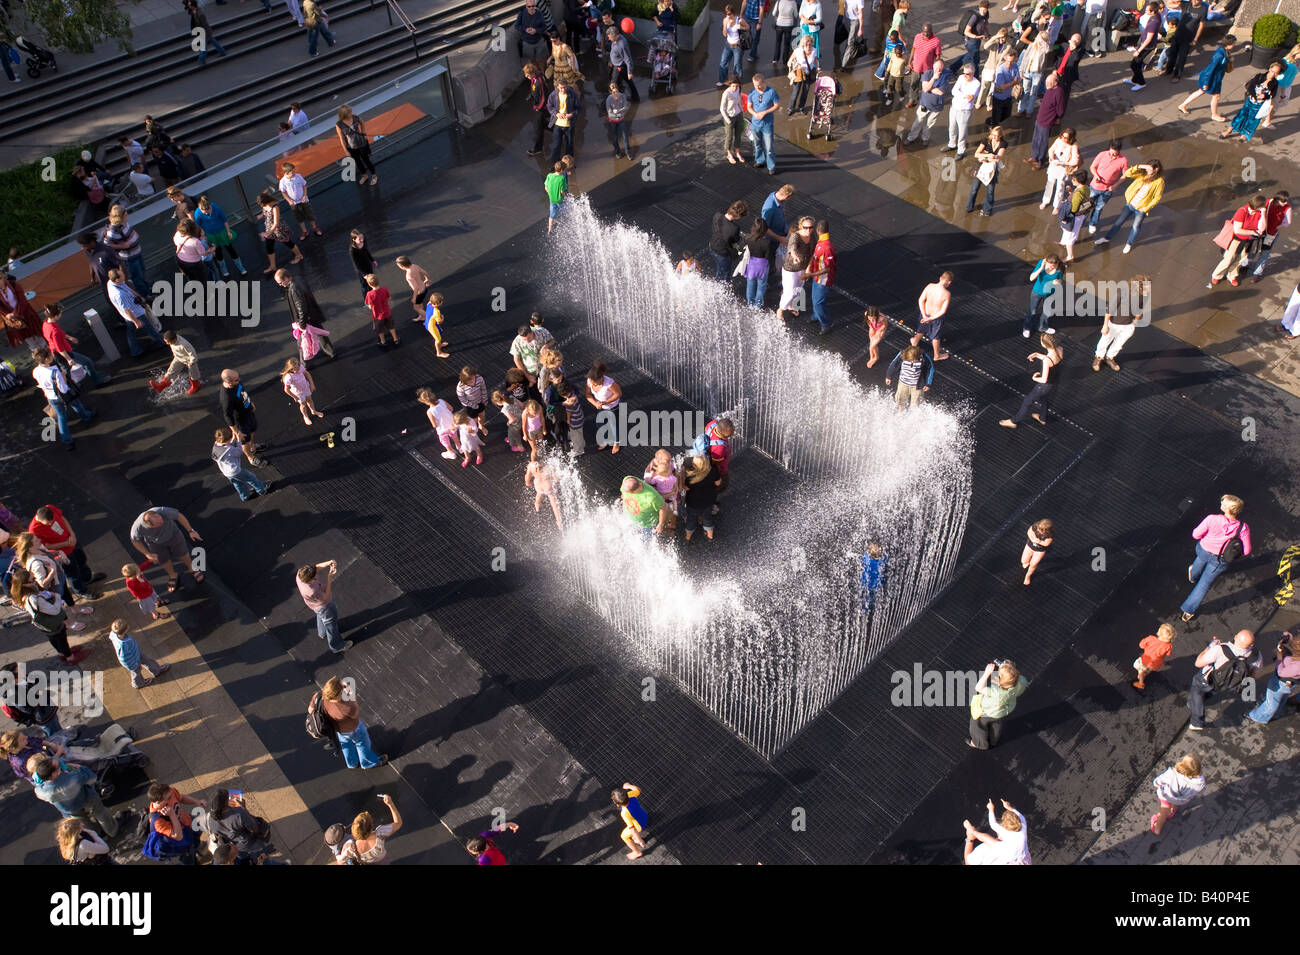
1272, 35
692, 27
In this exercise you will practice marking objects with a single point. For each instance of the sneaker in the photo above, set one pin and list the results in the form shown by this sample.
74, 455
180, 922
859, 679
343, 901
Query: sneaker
947, 149
962, 154
258, 462
720, 85
1114, 366
347, 645
1050, 331
1102, 241
451, 455
1129, 248
164, 668
1195, 728
268, 487
1212, 282
1024, 333
1233, 282
1091, 229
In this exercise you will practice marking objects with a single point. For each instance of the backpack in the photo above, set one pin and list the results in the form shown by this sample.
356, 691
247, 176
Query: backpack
1232, 548
318, 725
1229, 674
47, 622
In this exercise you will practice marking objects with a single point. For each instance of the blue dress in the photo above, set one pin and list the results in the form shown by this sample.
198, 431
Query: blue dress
1211, 78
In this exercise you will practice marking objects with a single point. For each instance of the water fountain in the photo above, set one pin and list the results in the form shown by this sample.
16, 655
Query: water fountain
771, 642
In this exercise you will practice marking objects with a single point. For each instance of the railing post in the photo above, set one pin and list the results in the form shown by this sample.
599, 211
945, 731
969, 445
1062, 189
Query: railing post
389, 8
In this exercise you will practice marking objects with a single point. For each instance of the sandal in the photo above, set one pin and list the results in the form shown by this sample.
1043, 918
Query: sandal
173, 584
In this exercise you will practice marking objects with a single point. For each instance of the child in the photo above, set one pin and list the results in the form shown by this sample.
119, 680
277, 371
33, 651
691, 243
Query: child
471, 392
1040, 538
876, 327
896, 69
143, 592
132, 657
443, 420
227, 451
433, 323
663, 477
634, 818
514, 412
483, 847
892, 44
420, 284
1155, 650
556, 186
311, 340
572, 405
380, 312
517, 386
616, 119
469, 439
534, 422
570, 166
541, 334
604, 394
539, 474
875, 564
299, 385
184, 358
688, 265
1176, 786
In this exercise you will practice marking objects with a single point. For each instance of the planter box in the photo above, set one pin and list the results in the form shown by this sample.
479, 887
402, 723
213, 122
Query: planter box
1262, 56
688, 38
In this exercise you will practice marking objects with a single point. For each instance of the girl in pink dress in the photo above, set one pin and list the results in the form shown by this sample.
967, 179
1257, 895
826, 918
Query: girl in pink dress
663, 477
876, 326
298, 385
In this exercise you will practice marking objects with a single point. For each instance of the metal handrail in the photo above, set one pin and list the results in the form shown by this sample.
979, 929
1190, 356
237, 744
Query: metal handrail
394, 7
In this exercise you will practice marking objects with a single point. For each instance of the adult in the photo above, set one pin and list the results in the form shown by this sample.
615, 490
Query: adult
537, 103
757, 266
1222, 667
726, 238
762, 102
525, 351
785, 17
212, 220
1210, 80
49, 614
120, 236
773, 213
317, 592
166, 162
702, 486
1062, 163
821, 272
989, 156
1248, 224
239, 411
56, 533
22, 324
351, 131
933, 307
645, 506
234, 826
603, 394
993, 701
1151, 25
620, 64
191, 251
753, 13
1143, 195
1068, 69
353, 736
964, 91
530, 24
368, 845
81, 846
1117, 326
1005, 80
925, 50
303, 307
59, 394
974, 33
1051, 110
934, 86
202, 31
1185, 36
1260, 91
316, 20
1045, 381
732, 109
798, 254
1045, 281
1032, 63
563, 105
1074, 210
666, 18
810, 21
159, 534
1008, 845
71, 790
855, 43
1220, 539
1106, 171
101, 260
801, 70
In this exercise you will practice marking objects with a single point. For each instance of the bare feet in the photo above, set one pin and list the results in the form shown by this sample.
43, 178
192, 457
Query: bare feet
1007, 423
1039, 418
1183, 110
296, 260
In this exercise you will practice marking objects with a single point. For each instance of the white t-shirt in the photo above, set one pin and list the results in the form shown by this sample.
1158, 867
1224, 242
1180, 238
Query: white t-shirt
442, 417
964, 92
297, 118
51, 380
853, 9
134, 152
294, 188
143, 183
1012, 848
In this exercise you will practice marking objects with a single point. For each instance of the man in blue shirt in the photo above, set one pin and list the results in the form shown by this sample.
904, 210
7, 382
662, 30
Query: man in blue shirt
1006, 77
934, 85
762, 102
773, 214
531, 26
755, 10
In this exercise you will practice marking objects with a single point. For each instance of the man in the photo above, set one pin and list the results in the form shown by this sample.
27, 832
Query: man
101, 260
964, 92
1222, 667
773, 214
1004, 80
644, 505
1095, 27
563, 104
753, 14
1051, 110
856, 44
201, 30
1106, 172
53, 530
925, 50
317, 592
537, 101
54, 384
725, 238
191, 164
1247, 225
620, 64
157, 534
168, 165
134, 151
70, 789
762, 102
1068, 68
531, 26
294, 189
1118, 326
1220, 539
1186, 35
822, 272
131, 307
933, 303
60, 343
933, 87
239, 411
976, 31
299, 297
915, 373
526, 353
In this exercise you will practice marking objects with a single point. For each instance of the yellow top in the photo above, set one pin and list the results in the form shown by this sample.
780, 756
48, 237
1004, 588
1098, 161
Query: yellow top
1143, 194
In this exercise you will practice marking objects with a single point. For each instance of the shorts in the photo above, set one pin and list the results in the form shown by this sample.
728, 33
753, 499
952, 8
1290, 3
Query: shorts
247, 427
909, 394
1141, 667
384, 324
423, 296
303, 212
555, 210
474, 410
173, 549
930, 330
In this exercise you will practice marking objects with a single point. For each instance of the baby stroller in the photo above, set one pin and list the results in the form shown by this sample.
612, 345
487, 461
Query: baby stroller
38, 58
663, 61
112, 754
825, 89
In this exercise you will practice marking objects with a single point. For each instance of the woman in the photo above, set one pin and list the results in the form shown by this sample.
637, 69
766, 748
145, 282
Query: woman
1062, 162
122, 238
1282, 683
733, 112
785, 17
988, 162
732, 55
276, 230
810, 22
1260, 92
993, 701
45, 567
603, 394
756, 268
996, 45
191, 251
798, 253
299, 385
1210, 80
562, 59
362, 260
703, 484
1045, 381
48, 613
1032, 63
368, 845
1143, 194
22, 324
353, 737
802, 73
184, 205
352, 137
212, 220
1074, 211
666, 18
81, 846
234, 825
1010, 845
1150, 24
317, 22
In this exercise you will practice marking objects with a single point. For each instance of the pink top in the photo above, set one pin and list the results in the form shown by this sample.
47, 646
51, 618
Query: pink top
296, 382
925, 52
1107, 170
1216, 530
666, 484
188, 248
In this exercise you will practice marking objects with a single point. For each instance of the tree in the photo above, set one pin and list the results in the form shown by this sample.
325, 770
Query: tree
72, 26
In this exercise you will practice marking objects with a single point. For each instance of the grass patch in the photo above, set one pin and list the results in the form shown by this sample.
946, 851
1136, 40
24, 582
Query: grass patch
688, 11
48, 208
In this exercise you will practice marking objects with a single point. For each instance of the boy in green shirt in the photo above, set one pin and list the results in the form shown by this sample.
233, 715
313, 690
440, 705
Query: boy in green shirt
557, 184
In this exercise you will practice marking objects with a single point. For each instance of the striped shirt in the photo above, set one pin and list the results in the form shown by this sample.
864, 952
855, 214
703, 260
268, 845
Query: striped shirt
472, 396
123, 233
576, 415
910, 374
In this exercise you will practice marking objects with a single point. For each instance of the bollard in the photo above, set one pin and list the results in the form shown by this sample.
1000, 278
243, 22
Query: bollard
106, 342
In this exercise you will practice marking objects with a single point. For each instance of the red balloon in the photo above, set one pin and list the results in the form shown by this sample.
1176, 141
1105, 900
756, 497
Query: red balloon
628, 25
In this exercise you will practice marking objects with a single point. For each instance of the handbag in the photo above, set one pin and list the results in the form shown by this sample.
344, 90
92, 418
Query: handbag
1224, 238
745, 41
744, 261
77, 372
47, 622
986, 172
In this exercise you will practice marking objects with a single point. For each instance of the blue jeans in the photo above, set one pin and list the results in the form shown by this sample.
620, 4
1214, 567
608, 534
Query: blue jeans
60, 408
721, 266
731, 62
356, 748
133, 340
1129, 212
618, 136
1029, 83
327, 627
763, 152
756, 289
818, 291
246, 483
753, 47
4, 59
1204, 570
972, 54
1274, 697
988, 194
216, 45
1099, 199
321, 29
1035, 319
135, 271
